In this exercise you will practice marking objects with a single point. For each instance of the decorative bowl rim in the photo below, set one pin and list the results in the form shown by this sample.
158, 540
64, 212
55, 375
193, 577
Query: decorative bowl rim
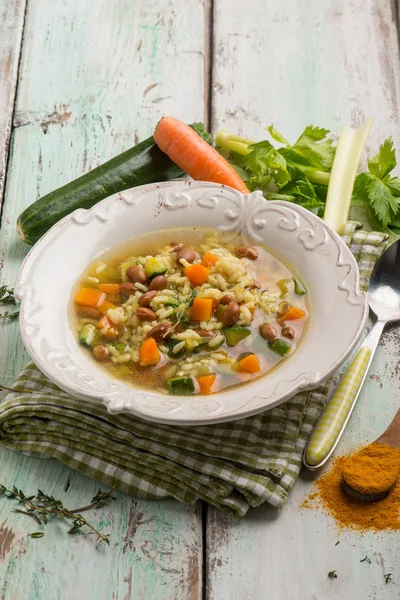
168, 198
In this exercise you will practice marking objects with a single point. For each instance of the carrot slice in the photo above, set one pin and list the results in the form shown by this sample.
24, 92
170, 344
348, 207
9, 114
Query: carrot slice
149, 353
293, 313
197, 274
106, 328
110, 289
209, 259
206, 383
202, 309
90, 297
249, 364
105, 306
190, 152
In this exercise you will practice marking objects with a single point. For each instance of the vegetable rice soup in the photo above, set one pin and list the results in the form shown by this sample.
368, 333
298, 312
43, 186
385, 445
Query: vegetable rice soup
189, 311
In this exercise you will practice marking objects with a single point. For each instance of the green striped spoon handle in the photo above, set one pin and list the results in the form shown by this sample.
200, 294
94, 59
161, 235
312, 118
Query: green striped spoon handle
328, 431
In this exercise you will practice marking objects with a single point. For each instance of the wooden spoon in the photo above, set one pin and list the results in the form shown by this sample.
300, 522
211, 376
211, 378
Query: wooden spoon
390, 438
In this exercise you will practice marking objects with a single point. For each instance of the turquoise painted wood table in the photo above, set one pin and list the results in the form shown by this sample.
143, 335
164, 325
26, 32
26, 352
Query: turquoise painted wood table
80, 81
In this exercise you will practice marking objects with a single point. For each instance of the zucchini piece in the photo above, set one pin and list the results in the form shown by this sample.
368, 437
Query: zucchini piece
171, 343
235, 334
142, 164
154, 266
120, 347
243, 355
181, 386
172, 302
299, 287
280, 347
203, 346
282, 284
89, 336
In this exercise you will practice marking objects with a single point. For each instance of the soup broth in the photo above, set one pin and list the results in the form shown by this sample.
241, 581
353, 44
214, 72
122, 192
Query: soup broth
189, 311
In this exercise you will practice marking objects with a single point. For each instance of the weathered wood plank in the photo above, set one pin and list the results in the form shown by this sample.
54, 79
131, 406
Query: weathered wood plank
94, 79
155, 547
295, 63
11, 25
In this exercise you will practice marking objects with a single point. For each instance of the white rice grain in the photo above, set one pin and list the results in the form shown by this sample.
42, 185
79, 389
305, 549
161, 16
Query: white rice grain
178, 347
216, 341
164, 313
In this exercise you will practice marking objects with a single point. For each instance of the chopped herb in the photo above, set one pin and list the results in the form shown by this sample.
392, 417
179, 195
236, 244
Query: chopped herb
366, 559
332, 574
171, 343
181, 311
192, 297
388, 577
36, 534
337, 543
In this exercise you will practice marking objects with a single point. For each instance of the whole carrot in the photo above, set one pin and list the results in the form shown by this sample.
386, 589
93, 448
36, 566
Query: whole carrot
192, 154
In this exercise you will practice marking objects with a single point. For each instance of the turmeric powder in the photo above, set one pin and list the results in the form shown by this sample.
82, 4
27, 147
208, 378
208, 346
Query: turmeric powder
369, 470
373, 469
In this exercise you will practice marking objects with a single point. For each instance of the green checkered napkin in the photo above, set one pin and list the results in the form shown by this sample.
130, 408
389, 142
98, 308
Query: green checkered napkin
233, 466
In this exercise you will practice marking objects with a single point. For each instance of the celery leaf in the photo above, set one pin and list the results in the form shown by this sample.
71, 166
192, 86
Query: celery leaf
384, 162
278, 137
265, 164
376, 189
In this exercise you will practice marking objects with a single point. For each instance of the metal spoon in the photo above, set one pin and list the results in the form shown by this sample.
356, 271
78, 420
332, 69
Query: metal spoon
384, 300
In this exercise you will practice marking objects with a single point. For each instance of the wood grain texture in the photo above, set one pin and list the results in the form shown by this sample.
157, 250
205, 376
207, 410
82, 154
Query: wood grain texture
292, 64
11, 25
94, 79
155, 547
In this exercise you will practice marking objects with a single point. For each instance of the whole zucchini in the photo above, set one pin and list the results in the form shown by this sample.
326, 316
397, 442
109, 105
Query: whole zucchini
142, 164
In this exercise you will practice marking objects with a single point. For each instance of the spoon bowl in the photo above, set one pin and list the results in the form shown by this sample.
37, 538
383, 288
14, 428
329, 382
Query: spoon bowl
384, 287
365, 497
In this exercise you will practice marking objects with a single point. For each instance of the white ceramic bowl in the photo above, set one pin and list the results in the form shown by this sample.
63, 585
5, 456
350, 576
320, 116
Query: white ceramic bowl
319, 255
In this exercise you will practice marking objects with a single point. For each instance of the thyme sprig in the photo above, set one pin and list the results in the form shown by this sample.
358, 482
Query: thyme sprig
10, 315
16, 390
7, 297
41, 506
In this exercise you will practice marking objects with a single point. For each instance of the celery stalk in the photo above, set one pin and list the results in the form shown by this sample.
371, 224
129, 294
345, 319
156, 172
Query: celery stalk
345, 164
228, 142
238, 147
320, 177
223, 137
